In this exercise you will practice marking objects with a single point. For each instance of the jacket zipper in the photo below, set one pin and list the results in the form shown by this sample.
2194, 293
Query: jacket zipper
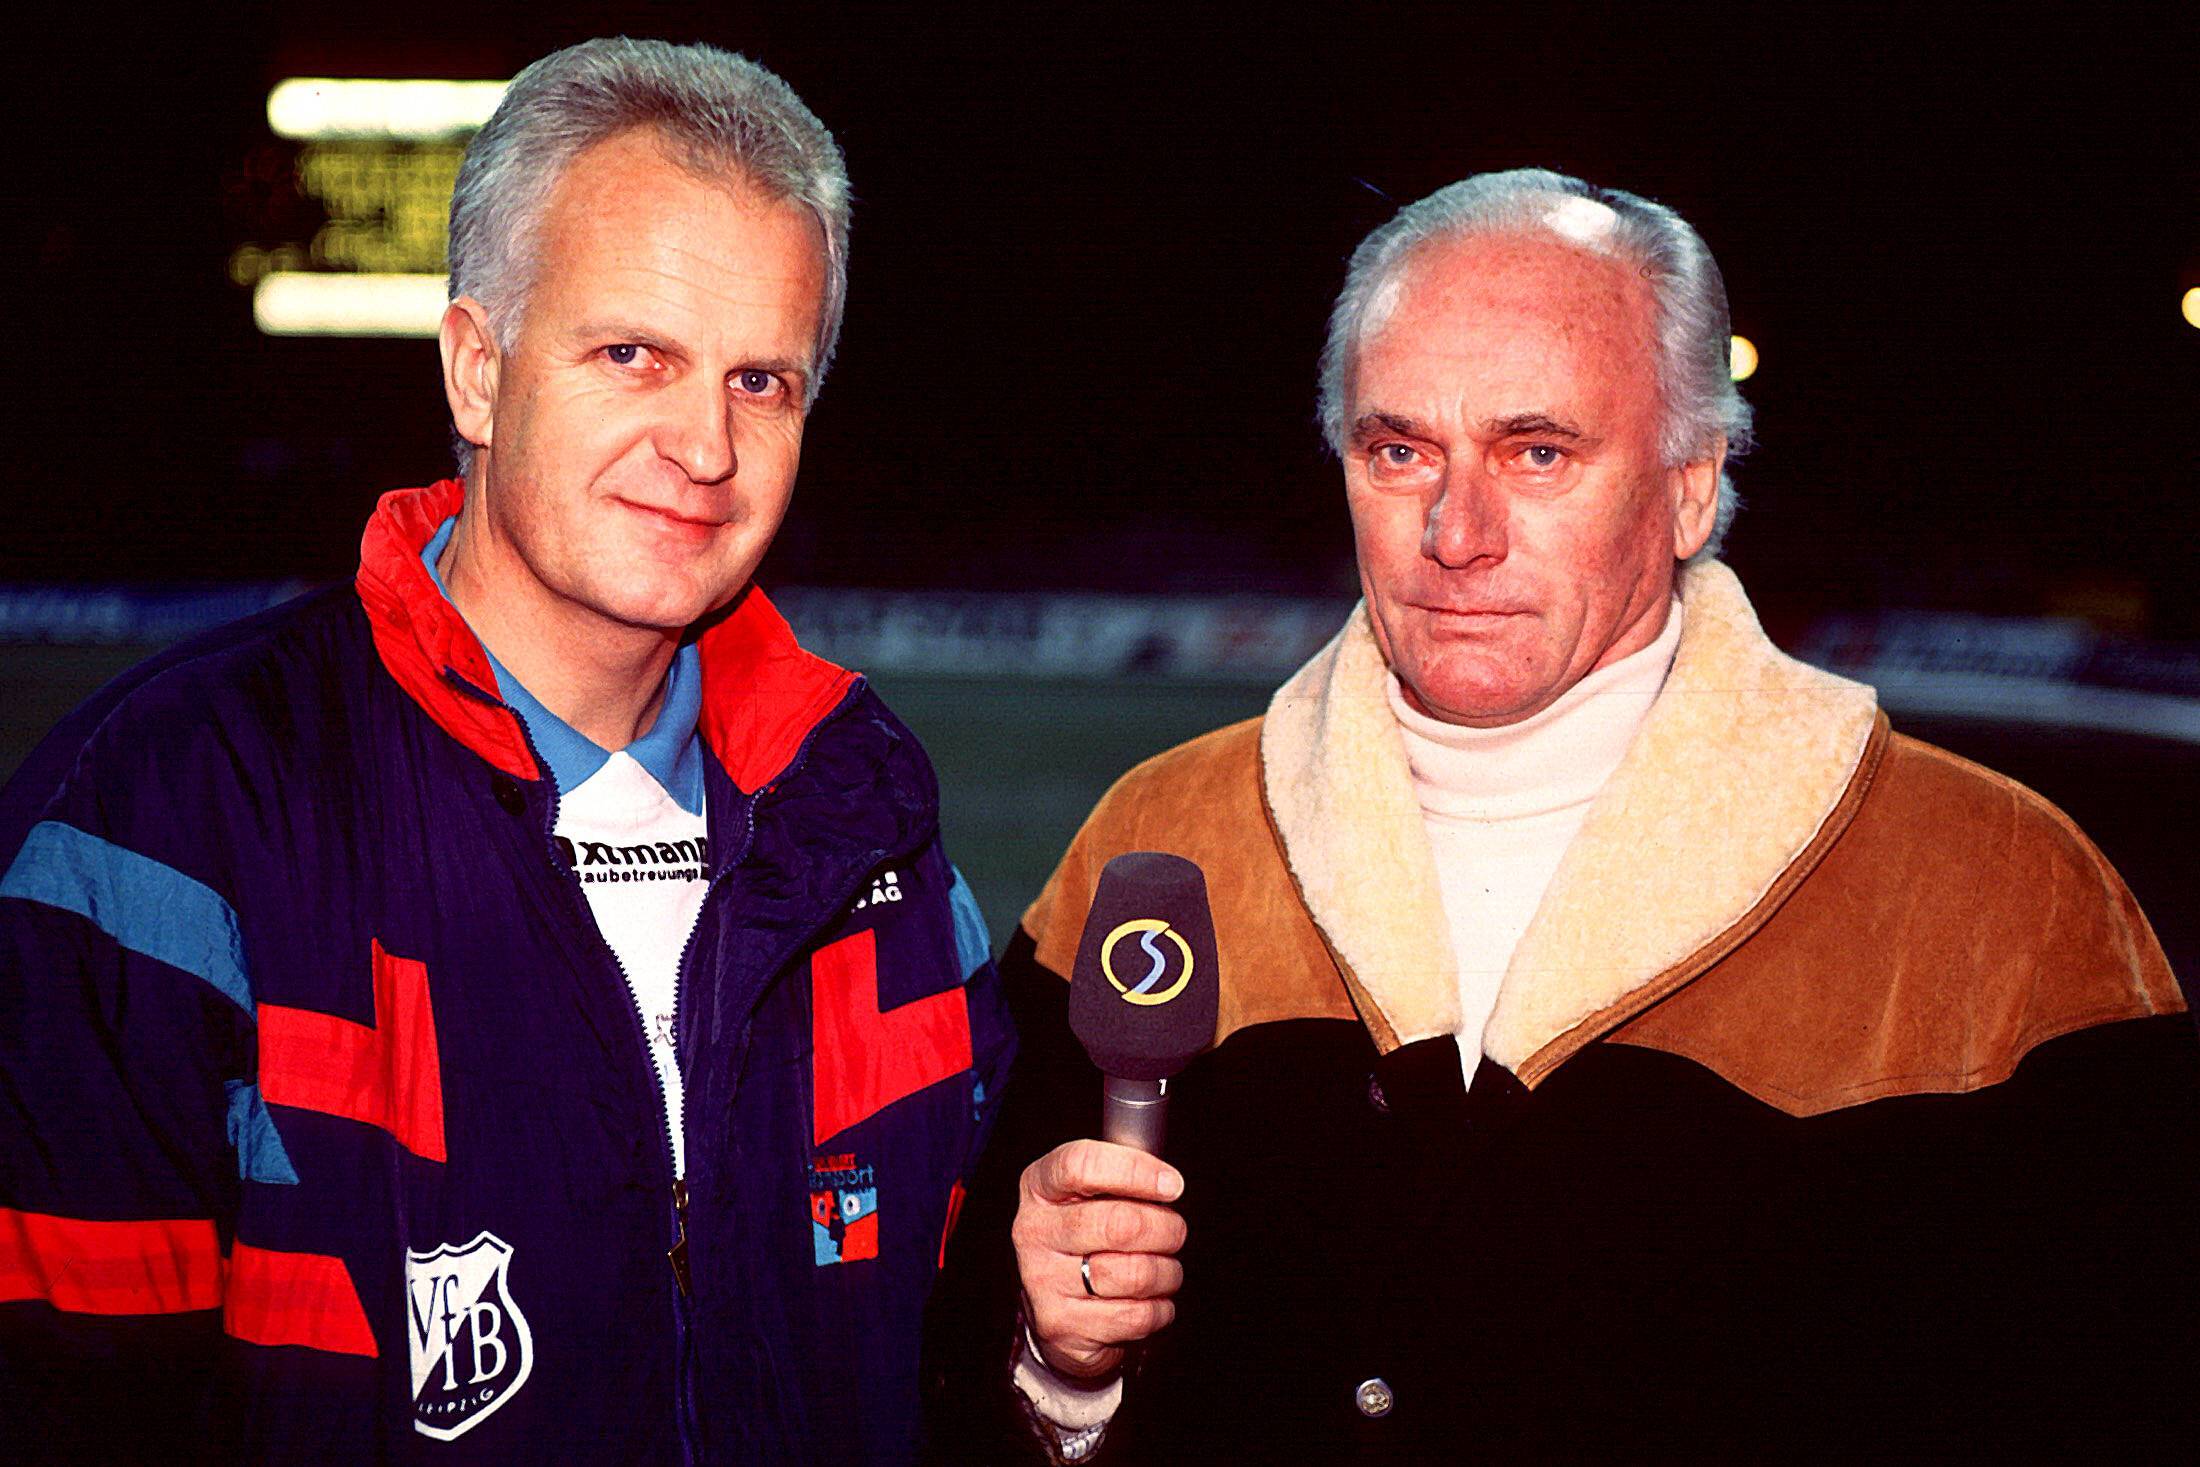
677, 1254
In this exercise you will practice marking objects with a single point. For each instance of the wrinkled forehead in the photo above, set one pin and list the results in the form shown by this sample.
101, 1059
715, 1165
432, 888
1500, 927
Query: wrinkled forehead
1510, 302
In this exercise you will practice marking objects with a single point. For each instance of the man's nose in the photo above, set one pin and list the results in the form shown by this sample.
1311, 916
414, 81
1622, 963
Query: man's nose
699, 430
1466, 522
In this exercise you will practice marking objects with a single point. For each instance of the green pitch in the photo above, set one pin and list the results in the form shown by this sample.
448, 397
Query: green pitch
1022, 762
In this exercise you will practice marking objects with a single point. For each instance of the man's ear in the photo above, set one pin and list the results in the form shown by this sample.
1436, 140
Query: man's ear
470, 366
1695, 486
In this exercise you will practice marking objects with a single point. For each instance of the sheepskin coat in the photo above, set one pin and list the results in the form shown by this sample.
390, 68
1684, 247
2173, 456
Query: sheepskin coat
1838, 1100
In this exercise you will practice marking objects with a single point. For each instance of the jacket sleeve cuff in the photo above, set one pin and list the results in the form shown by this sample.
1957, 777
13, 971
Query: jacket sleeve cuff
1077, 1415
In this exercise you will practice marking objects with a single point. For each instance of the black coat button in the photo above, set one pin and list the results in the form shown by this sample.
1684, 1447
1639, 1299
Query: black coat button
507, 791
1375, 1096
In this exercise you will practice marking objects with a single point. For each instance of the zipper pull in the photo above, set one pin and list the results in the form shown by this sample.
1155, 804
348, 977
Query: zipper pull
679, 1253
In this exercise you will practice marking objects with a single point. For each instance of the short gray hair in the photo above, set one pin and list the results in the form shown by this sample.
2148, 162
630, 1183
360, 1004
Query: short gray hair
716, 113
1701, 403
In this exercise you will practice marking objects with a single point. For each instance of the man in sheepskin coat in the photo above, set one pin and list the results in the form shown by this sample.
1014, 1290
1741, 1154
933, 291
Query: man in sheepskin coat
1628, 1045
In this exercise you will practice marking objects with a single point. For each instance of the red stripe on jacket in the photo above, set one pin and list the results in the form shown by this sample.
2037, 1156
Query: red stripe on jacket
295, 1299
862, 1060
166, 1266
388, 1074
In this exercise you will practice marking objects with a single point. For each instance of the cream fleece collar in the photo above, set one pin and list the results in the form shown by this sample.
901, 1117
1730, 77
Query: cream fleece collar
1740, 761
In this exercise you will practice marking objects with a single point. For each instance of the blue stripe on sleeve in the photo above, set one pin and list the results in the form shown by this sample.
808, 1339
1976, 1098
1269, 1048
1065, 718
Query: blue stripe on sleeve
972, 946
261, 1156
143, 905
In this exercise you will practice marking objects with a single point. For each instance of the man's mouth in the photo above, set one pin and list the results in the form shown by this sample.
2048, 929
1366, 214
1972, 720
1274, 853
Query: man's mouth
1472, 611
673, 517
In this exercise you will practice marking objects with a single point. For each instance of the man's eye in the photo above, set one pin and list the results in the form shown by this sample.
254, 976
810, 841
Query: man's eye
1542, 456
756, 382
1395, 455
625, 354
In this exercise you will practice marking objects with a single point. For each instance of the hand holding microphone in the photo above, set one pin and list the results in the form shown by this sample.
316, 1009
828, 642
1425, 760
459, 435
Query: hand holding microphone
1095, 1240
1096, 1249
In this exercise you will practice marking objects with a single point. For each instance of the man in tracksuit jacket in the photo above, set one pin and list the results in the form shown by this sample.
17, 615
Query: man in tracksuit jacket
516, 1007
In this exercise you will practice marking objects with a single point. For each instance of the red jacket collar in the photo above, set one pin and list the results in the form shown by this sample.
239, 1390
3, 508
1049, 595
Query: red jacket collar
762, 694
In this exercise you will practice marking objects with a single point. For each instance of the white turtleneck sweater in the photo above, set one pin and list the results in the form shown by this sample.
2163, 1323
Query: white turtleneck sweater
1501, 805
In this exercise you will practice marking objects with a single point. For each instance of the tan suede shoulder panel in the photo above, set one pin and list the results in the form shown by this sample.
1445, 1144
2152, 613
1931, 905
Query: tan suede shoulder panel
1202, 801
1959, 921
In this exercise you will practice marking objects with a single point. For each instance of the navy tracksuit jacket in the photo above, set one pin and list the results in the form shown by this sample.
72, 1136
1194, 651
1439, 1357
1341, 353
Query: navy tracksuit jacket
327, 1126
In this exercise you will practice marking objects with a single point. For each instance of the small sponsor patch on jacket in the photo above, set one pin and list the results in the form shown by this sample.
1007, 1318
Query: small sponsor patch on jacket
886, 887
471, 1348
843, 1208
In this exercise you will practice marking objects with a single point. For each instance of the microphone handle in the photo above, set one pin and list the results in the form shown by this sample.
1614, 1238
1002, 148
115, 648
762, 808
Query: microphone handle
1134, 1113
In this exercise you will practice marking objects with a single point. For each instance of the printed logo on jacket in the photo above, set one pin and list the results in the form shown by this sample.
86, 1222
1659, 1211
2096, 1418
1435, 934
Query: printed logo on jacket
843, 1208
471, 1348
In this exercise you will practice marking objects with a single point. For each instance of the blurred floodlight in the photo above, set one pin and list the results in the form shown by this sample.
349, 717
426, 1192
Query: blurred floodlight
305, 303
319, 108
1741, 358
2192, 305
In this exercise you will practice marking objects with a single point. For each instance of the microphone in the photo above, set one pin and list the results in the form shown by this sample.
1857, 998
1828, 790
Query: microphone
1143, 993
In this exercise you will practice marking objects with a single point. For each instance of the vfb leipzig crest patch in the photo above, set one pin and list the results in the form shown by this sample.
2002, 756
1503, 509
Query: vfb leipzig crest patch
843, 1208
471, 1350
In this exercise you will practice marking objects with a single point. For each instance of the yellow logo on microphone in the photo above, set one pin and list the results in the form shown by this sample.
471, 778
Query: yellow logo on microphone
1148, 990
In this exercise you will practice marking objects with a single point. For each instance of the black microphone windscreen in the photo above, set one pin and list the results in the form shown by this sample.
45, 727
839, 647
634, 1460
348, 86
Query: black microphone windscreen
1143, 993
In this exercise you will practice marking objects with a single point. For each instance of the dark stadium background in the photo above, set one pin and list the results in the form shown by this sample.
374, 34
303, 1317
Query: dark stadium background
1094, 247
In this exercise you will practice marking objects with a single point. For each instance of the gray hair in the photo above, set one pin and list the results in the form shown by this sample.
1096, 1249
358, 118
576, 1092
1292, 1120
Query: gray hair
1701, 403
717, 114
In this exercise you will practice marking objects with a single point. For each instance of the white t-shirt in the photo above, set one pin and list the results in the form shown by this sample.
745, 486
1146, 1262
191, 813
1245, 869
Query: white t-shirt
640, 859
